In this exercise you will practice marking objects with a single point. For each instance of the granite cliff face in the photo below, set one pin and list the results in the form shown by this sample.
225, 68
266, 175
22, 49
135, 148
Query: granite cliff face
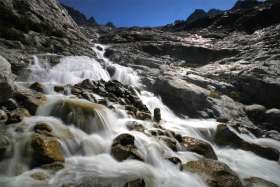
81, 99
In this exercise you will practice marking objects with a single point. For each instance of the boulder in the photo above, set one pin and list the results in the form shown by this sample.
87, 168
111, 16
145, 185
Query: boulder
255, 182
255, 112
17, 115
45, 150
30, 100
37, 87
214, 173
180, 96
170, 142
133, 125
198, 146
78, 112
273, 116
11, 104
7, 86
157, 115
226, 137
124, 148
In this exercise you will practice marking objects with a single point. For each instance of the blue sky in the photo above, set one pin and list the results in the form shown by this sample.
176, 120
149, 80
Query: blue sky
144, 12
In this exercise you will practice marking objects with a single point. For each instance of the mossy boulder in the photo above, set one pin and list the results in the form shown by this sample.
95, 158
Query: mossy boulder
124, 148
198, 146
214, 173
78, 112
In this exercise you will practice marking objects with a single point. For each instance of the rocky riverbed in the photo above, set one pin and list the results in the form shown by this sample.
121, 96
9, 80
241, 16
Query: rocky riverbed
194, 103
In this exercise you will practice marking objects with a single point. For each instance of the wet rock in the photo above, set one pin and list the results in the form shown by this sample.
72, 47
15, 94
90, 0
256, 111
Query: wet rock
226, 137
136, 183
43, 128
157, 115
53, 167
46, 150
59, 89
255, 112
17, 115
39, 176
133, 125
143, 115
78, 112
6, 146
214, 173
6, 80
170, 142
124, 148
182, 97
30, 100
115, 92
198, 146
3, 117
273, 116
176, 161
37, 87
255, 181
11, 104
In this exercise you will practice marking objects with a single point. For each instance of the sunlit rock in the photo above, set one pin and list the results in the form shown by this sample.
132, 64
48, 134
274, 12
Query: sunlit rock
214, 173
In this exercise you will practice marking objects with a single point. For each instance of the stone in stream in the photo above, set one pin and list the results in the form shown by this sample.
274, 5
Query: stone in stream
214, 173
37, 87
78, 112
157, 115
30, 100
198, 146
45, 150
255, 112
226, 137
124, 148
256, 181
17, 115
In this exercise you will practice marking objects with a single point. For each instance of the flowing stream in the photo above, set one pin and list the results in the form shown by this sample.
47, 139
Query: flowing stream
88, 159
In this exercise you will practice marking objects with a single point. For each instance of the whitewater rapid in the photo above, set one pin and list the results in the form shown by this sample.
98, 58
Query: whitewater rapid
93, 164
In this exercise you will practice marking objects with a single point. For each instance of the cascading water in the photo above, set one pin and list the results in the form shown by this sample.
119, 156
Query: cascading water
87, 131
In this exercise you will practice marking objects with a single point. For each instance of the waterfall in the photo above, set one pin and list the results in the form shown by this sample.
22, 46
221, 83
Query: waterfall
87, 132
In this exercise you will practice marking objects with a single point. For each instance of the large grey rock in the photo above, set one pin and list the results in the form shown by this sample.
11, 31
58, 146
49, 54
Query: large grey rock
6, 80
182, 97
225, 136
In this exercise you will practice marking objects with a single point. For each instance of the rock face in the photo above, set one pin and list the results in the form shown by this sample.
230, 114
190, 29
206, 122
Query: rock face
244, 16
225, 136
6, 80
40, 16
183, 98
214, 173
